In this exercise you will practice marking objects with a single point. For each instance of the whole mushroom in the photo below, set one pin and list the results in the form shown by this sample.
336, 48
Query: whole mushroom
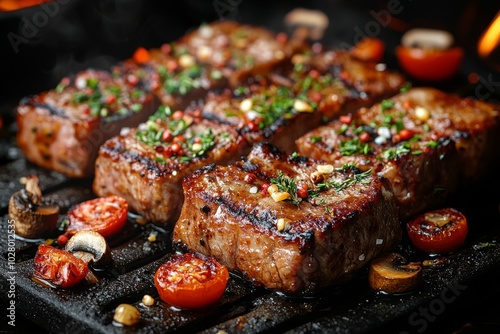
33, 216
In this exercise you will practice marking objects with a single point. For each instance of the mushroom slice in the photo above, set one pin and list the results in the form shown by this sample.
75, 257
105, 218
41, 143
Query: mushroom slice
33, 217
392, 273
427, 39
91, 247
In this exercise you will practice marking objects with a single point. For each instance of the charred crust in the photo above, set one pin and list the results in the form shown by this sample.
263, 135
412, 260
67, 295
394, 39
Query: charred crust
203, 170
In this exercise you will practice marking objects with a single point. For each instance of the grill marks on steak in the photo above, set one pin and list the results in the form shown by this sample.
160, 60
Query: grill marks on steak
425, 167
327, 238
62, 129
141, 166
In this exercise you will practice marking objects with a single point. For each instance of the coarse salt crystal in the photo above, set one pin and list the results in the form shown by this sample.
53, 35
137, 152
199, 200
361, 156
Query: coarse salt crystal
253, 190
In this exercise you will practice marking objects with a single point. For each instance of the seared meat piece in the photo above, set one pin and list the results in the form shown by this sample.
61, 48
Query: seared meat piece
176, 78
317, 228
262, 113
62, 129
238, 50
338, 82
147, 164
421, 167
474, 125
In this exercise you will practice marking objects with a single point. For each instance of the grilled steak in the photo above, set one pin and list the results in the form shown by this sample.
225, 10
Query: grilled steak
286, 103
147, 164
238, 50
338, 82
317, 228
62, 129
422, 168
474, 125
175, 78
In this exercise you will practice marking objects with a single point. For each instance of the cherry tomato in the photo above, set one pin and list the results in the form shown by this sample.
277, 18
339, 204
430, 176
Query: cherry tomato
59, 267
105, 215
369, 49
191, 281
428, 64
439, 231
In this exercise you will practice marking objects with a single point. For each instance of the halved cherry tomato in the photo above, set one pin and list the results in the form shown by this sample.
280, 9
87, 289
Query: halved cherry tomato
59, 267
369, 49
105, 215
191, 280
430, 64
439, 231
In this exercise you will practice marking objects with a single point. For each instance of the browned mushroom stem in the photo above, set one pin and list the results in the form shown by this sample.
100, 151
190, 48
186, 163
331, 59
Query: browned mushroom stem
307, 23
392, 273
91, 247
33, 217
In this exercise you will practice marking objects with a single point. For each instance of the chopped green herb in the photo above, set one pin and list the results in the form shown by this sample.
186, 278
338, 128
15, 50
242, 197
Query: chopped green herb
386, 104
405, 87
315, 139
287, 184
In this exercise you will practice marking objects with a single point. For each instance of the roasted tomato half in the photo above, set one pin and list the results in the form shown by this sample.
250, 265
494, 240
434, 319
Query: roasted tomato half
369, 49
191, 281
429, 64
59, 267
105, 215
439, 231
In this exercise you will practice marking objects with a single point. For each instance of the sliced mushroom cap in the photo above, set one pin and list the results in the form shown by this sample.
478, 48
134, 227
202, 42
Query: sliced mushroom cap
392, 273
427, 39
91, 247
33, 217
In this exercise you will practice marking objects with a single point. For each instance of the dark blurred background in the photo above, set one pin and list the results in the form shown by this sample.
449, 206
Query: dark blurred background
41, 44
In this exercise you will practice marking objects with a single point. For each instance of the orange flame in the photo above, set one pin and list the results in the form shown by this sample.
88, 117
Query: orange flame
490, 38
9, 5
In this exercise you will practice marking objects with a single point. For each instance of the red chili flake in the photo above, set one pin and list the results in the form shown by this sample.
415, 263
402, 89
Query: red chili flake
281, 38
141, 55
263, 189
65, 81
167, 151
159, 149
407, 105
197, 113
166, 48
405, 134
197, 140
396, 138
314, 74
344, 75
177, 115
176, 148
179, 139
250, 177
172, 65
86, 110
62, 240
302, 190
345, 119
132, 79
364, 137
252, 126
316, 96
181, 153
110, 99
166, 136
